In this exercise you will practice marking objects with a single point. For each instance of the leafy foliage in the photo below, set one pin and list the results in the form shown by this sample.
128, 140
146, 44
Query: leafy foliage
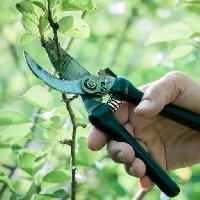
142, 39
33, 96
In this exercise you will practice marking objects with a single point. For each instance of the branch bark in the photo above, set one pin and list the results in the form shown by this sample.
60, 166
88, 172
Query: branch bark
67, 101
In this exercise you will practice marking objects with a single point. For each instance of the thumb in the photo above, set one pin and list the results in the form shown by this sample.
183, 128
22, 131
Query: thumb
160, 93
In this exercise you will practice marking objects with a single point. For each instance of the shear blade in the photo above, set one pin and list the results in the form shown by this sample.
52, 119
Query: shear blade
72, 70
65, 86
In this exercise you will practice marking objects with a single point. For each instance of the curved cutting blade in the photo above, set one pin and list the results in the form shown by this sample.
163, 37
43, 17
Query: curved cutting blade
65, 86
71, 69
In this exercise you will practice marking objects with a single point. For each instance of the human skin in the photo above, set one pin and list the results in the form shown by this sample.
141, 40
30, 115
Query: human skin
172, 145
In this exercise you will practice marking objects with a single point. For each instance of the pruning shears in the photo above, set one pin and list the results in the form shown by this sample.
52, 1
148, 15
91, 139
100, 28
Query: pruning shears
77, 80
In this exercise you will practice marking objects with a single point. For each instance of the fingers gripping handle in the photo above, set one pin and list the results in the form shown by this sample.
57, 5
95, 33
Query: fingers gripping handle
127, 91
103, 118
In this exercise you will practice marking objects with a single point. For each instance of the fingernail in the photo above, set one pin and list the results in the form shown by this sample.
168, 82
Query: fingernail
120, 157
144, 104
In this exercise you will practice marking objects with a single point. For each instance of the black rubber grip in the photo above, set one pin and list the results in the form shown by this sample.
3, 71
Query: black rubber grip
103, 118
127, 91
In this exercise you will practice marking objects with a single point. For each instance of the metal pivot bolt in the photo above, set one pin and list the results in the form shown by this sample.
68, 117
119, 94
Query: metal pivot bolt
90, 84
98, 85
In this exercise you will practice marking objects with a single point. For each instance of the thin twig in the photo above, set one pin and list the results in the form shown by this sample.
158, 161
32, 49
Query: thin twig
73, 146
35, 115
72, 142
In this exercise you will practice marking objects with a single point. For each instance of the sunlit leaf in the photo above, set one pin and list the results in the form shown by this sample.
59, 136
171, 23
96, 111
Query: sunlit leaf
85, 157
44, 23
86, 5
40, 5
181, 51
8, 117
29, 23
27, 38
6, 180
53, 123
41, 197
65, 24
60, 111
184, 173
25, 7
53, 2
38, 96
32, 190
46, 124
192, 20
79, 28
29, 161
173, 31
14, 133
26, 161
56, 176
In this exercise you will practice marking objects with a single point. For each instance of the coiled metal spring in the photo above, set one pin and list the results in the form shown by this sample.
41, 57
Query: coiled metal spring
114, 103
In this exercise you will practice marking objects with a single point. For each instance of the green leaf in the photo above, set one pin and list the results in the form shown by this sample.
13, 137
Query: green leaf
41, 197
14, 197
44, 23
59, 193
6, 180
8, 117
79, 28
86, 5
6, 15
28, 23
32, 190
30, 162
26, 161
38, 96
56, 176
174, 31
65, 24
181, 51
53, 2
40, 5
60, 111
84, 156
53, 123
25, 6
39, 162
27, 38
14, 133
46, 124
15, 148
192, 20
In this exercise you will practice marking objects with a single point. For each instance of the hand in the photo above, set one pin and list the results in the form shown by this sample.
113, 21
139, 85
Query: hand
171, 144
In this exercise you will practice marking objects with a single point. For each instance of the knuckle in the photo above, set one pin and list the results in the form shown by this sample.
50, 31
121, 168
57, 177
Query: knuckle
111, 148
175, 75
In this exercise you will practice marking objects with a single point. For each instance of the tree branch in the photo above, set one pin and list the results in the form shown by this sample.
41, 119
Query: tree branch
67, 101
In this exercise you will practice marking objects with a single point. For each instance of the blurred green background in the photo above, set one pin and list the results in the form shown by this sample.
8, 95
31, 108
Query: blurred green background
140, 40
